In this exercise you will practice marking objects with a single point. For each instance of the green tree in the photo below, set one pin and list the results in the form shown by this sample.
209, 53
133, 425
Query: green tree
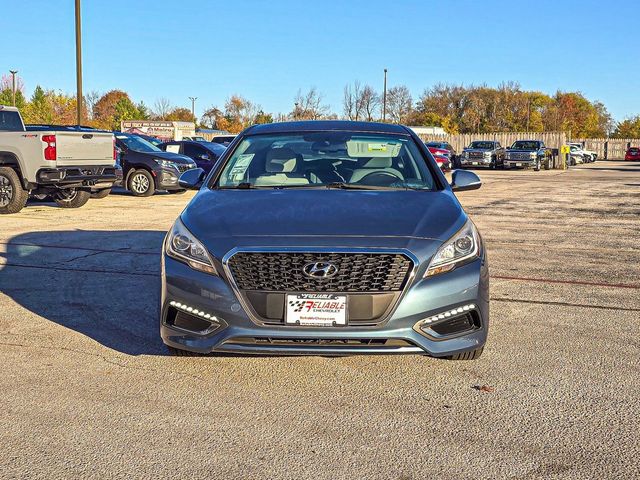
628, 128
6, 98
125, 109
39, 109
180, 114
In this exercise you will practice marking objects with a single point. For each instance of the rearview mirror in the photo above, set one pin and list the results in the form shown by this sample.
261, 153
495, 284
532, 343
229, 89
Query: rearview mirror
192, 179
464, 180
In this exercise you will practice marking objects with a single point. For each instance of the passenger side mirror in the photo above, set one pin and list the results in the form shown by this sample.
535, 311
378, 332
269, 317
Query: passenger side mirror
464, 180
192, 179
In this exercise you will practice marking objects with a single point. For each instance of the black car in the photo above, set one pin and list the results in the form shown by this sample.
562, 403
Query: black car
205, 154
146, 168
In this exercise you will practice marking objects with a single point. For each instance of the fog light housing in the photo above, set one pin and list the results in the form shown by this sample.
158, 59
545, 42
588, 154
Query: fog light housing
186, 317
449, 323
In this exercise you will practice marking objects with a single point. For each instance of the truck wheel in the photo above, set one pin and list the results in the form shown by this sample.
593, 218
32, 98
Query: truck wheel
13, 197
536, 168
101, 193
71, 198
141, 183
472, 355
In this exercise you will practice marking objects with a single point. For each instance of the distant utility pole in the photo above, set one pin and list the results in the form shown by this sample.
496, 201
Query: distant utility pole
13, 85
295, 111
193, 107
384, 98
79, 97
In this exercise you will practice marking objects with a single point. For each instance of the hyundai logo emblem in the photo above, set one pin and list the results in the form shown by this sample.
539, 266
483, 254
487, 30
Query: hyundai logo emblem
320, 270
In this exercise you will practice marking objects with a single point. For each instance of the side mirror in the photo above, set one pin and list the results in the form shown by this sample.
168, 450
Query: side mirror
192, 179
464, 180
204, 156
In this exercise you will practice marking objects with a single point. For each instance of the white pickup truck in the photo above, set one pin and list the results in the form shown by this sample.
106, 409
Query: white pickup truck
64, 164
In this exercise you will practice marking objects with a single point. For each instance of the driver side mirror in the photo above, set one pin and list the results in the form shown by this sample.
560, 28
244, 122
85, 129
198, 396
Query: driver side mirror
192, 179
464, 180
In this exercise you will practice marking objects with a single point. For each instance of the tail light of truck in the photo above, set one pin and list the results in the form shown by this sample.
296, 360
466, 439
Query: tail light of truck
50, 150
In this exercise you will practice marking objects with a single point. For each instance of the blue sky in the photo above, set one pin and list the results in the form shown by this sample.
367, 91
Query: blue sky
267, 50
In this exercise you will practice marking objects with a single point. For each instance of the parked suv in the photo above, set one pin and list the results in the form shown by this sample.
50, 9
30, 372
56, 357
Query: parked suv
204, 154
486, 153
146, 168
326, 237
528, 153
65, 164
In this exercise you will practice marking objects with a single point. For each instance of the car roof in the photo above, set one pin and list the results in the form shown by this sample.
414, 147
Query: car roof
324, 125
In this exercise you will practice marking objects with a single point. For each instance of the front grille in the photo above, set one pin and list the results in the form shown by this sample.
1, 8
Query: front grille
476, 154
356, 272
322, 342
520, 156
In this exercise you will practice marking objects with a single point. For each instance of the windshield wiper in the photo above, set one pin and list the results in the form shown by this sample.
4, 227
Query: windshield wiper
240, 186
356, 186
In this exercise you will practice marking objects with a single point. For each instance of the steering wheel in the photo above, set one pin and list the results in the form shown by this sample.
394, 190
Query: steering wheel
383, 179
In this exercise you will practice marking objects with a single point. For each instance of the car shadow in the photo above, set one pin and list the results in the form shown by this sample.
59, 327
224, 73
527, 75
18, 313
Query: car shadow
102, 284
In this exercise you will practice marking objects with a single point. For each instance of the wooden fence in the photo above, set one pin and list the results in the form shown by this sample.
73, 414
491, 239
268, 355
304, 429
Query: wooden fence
609, 148
606, 148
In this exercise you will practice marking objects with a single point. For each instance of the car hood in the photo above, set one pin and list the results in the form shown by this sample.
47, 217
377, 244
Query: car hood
172, 157
225, 219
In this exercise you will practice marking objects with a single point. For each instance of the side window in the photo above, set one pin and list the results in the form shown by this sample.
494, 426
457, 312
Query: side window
10, 121
193, 151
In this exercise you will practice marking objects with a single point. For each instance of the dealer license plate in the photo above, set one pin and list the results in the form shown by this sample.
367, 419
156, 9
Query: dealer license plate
319, 310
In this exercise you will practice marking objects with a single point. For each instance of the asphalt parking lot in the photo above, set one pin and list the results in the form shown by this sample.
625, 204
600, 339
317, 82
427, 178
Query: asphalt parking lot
88, 389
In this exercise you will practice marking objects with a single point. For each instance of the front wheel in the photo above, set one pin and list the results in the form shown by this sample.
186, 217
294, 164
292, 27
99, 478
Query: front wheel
536, 167
13, 197
71, 198
141, 183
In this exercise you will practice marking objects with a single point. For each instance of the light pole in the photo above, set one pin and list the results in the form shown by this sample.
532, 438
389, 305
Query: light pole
13, 85
193, 108
78, 64
384, 98
295, 111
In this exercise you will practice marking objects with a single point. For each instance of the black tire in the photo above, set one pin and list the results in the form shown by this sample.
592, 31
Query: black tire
101, 193
472, 355
494, 163
13, 197
71, 198
176, 352
141, 183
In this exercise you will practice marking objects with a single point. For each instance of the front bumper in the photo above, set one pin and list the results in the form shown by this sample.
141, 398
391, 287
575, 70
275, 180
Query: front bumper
80, 176
167, 177
475, 162
235, 330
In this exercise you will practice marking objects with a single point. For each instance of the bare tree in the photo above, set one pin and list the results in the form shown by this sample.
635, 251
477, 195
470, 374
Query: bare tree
161, 108
370, 102
352, 101
90, 99
399, 104
309, 106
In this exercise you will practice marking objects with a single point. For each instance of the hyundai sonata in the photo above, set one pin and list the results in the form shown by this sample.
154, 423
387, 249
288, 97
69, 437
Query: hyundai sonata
330, 238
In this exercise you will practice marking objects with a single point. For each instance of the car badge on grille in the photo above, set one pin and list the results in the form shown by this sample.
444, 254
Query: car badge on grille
320, 270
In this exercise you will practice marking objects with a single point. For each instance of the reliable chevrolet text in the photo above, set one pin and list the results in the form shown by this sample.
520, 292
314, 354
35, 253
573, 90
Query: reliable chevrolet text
327, 238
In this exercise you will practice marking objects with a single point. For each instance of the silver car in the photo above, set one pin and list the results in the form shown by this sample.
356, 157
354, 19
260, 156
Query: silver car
326, 237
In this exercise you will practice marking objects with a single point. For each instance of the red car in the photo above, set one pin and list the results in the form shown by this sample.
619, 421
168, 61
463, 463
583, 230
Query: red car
443, 153
633, 153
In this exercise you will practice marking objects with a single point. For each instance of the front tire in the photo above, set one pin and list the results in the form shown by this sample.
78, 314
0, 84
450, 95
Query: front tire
13, 197
141, 183
71, 198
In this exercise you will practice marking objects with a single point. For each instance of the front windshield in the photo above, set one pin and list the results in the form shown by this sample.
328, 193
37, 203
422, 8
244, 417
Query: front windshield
137, 144
525, 145
482, 145
327, 159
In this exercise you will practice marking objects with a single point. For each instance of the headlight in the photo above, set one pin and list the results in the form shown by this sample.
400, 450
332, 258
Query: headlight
184, 247
533, 154
465, 154
165, 163
463, 247
487, 154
